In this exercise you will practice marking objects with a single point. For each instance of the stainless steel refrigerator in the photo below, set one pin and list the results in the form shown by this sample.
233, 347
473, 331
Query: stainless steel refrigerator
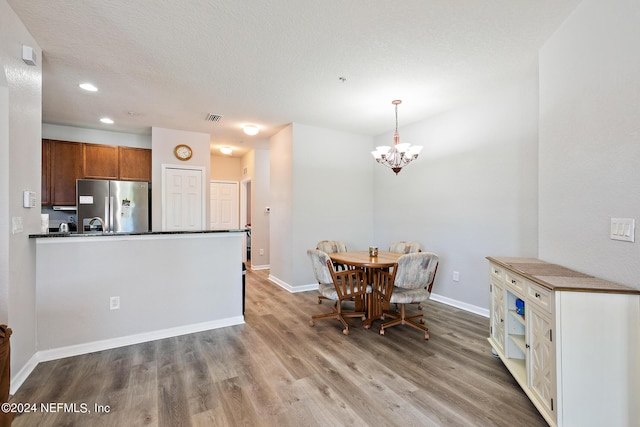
121, 206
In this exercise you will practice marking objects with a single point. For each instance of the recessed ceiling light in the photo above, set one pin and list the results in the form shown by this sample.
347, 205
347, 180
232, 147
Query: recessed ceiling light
106, 120
251, 129
88, 87
226, 150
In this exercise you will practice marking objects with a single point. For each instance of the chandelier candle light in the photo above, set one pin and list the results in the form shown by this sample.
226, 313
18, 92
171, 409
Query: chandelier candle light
399, 155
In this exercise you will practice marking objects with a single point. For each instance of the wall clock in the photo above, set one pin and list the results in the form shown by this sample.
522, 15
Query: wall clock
182, 152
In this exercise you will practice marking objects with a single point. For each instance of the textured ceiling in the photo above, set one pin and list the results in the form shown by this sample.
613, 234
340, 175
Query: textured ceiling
272, 62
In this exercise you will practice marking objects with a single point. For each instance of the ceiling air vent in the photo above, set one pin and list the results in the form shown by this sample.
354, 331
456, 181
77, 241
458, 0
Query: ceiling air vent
213, 117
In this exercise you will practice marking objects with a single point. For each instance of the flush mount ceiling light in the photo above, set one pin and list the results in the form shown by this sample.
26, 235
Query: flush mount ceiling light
226, 150
251, 129
399, 155
106, 120
88, 87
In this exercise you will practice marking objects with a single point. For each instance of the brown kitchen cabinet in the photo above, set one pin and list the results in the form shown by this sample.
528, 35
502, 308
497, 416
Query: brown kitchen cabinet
63, 162
66, 167
134, 164
46, 172
100, 161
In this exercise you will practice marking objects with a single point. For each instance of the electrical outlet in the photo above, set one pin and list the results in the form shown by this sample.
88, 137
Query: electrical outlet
261, 251
114, 303
456, 276
16, 225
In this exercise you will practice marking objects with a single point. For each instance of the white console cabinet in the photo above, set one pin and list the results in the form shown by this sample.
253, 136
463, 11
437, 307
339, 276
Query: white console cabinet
572, 341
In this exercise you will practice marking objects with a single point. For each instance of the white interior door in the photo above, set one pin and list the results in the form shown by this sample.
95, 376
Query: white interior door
224, 205
183, 199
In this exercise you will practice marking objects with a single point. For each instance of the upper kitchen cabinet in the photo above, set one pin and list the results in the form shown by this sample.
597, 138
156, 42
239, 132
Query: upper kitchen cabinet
134, 164
100, 161
63, 162
46, 172
66, 168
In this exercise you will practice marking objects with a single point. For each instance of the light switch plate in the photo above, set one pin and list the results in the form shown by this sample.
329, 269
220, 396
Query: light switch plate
29, 199
623, 229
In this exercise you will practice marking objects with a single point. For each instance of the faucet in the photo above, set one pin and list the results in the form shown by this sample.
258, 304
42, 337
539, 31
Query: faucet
97, 218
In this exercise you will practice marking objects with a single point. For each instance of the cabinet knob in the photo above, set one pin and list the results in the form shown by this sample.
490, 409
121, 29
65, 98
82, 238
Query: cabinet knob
513, 281
526, 345
537, 295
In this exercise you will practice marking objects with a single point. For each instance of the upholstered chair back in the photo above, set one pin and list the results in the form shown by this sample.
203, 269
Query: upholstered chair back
416, 270
320, 268
331, 246
404, 247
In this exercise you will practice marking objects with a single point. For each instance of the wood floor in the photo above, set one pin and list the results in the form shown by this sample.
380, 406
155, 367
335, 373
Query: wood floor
276, 370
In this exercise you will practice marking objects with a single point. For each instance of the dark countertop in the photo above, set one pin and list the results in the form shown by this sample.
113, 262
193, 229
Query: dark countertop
140, 233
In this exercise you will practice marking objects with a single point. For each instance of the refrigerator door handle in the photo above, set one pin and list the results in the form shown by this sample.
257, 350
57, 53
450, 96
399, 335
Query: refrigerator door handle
106, 215
111, 225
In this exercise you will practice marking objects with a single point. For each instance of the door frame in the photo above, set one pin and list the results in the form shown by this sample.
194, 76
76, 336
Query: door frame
203, 197
243, 215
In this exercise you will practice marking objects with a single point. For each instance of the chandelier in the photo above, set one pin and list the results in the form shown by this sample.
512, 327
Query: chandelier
399, 155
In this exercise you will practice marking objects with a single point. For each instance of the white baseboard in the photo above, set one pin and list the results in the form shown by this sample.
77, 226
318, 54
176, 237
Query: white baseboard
484, 312
439, 298
292, 289
90, 347
260, 267
22, 375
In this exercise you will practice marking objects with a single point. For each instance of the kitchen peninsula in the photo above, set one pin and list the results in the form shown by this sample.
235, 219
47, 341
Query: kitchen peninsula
98, 291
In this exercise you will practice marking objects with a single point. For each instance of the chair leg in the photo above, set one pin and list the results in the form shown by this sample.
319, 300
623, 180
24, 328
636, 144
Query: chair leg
337, 313
331, 315
344, 323
342, 317
402, 319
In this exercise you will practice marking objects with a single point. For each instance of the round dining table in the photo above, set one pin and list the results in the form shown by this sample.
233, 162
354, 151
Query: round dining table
362, 259
376, 304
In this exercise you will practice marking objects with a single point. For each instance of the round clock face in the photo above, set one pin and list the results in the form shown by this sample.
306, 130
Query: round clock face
182, 152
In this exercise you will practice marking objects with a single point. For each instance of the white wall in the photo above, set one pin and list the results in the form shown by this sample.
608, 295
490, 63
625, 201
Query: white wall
164, 282
472, 192
281, 195
20, 153
163, 141
5, 217
93, 136
225, 168
259, 170
590, 139
318, 194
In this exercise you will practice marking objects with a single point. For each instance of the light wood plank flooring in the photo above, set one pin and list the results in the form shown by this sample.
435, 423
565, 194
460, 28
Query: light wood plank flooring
276, 370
